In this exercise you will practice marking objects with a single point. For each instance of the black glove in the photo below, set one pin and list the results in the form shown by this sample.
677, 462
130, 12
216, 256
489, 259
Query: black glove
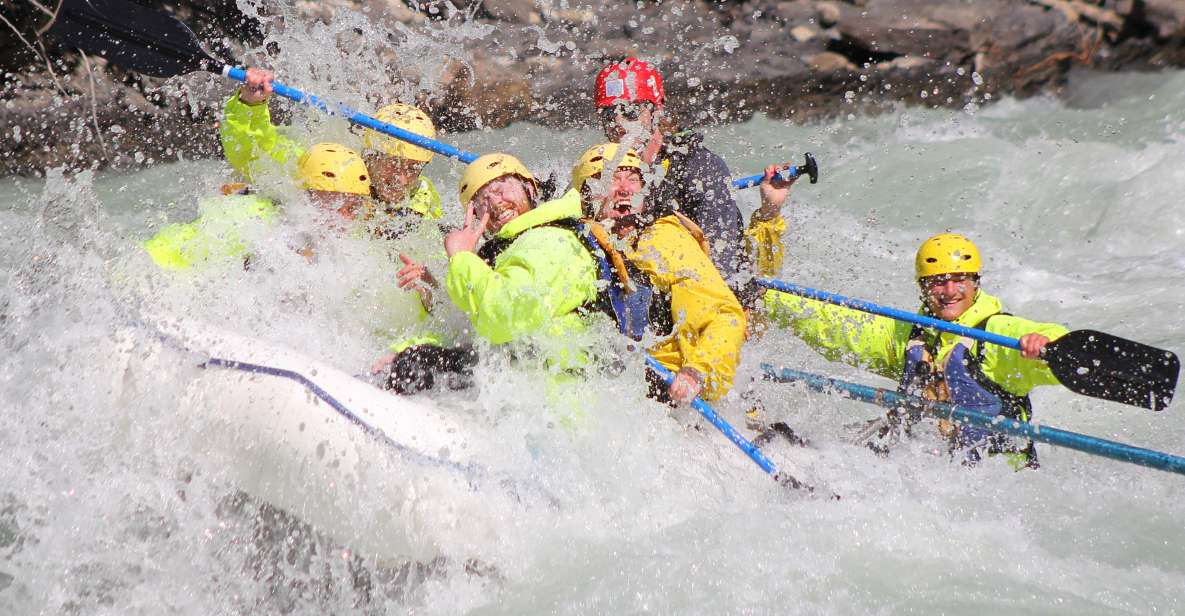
416, 368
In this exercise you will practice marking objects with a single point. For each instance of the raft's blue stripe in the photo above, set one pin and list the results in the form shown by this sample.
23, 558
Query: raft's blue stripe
469, 469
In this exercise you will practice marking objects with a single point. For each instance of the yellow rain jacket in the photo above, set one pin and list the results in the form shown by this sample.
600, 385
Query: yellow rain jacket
878, 343
225, 229
763, 242
535, 284
709, 323
248, 134
221, 232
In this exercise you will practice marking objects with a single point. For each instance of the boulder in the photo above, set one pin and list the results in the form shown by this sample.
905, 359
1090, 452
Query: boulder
514, 11
1167, 17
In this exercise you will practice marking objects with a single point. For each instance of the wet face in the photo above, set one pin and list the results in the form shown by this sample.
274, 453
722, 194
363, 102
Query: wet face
504, 199
392, 177
621, 197
344, 204
632, 120
949, 296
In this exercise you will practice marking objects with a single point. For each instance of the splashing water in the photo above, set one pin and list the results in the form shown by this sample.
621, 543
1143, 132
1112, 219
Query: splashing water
136, 482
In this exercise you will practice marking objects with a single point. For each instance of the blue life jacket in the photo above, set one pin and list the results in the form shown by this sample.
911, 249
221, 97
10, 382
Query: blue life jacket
961, 381
630, 308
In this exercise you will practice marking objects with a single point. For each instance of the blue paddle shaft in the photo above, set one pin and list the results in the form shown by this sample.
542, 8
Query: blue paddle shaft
360, 119
753, 180
885, 311
1062, 438
722, 425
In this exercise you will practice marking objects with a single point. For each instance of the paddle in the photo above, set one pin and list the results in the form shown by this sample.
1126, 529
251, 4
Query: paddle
716, 420
890, 399
157, 44
1087, 362
809, 167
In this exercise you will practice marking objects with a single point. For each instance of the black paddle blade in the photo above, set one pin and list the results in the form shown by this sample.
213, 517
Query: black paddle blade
132, 36
1105, 366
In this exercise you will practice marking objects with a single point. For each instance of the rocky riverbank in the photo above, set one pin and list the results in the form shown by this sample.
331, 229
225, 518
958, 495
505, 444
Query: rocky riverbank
492, 62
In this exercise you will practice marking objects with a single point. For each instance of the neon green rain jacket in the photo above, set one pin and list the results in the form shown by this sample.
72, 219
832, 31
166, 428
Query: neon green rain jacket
221, 232
248, 134
536, 283
878, 343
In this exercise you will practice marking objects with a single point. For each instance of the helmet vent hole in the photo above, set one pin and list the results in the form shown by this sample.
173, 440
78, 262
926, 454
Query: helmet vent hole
328, 174
931, 260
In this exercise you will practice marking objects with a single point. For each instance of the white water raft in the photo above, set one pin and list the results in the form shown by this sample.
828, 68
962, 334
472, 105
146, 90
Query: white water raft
384, 474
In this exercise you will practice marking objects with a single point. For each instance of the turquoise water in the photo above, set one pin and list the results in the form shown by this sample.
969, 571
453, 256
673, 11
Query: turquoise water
110, 503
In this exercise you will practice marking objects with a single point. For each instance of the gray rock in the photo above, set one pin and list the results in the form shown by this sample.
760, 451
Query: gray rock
886, 29
1166, 16
722, 60
516, 11
830, 62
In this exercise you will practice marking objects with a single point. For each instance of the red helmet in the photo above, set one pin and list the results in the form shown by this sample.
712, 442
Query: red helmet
631, 80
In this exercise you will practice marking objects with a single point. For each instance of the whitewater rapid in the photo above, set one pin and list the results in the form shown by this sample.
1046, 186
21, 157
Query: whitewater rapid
112, 502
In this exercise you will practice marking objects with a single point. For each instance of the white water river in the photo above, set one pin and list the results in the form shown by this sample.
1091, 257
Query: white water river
111, 502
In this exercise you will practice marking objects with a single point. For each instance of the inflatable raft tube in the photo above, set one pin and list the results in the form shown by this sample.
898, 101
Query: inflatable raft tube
384, 474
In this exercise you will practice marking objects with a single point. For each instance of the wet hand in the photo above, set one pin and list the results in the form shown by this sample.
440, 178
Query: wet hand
258, 87
687, 384
774, 191
1031, 345
465, 238
413, 273
418, 278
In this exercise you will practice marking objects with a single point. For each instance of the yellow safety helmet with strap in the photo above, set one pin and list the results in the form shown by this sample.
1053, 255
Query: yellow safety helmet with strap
947, 253
408, 118
333, 167
593, 161
489, 168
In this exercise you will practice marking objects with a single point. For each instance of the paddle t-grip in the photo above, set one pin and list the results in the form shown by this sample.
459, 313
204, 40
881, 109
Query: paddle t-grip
810, 168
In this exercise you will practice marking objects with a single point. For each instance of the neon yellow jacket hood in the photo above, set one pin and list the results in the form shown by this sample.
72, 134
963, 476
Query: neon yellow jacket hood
536, 283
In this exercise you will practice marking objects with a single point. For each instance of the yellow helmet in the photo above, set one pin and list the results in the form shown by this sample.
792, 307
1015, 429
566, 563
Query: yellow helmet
335, 168
409, 119
947, 253
489, 168
593, 160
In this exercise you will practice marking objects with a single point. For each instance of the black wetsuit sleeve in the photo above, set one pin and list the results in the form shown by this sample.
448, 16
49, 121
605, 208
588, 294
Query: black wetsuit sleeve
707, 200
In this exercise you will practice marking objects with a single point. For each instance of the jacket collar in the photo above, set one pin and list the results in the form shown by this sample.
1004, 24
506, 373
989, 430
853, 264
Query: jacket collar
567, 206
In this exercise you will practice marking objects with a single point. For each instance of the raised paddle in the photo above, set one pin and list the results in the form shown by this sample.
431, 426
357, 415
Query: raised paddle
1085, 361
157, 44
809, 167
